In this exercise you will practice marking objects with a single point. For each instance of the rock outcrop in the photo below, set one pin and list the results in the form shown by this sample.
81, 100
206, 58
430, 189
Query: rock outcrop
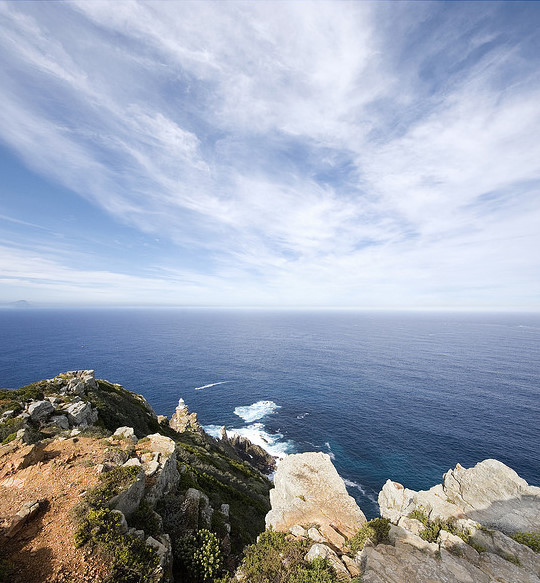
182, 420
489, 493
250, 452
308, 490
458, 531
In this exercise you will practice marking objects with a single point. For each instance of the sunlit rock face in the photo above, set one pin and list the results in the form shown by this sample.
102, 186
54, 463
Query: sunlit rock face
308, 490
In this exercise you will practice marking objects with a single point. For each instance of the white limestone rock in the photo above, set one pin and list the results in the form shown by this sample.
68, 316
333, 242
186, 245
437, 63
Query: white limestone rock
40, 411
127, 433
308, 490
82, 414
298, 531
494, 495
166, 477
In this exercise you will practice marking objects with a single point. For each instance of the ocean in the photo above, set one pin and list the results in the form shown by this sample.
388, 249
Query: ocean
404, 396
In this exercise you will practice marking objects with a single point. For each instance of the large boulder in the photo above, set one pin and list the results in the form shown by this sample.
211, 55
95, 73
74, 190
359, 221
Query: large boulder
308, 490
489, 493
494, 495
40, 411
82, 413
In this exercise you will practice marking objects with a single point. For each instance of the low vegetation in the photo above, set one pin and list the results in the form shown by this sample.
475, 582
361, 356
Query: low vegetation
532, 540
375, 530
99, 526
276, 559
432, 528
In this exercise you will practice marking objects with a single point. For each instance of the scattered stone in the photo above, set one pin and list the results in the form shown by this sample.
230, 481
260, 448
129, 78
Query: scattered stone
6, 415
132, 462
127, 433
315, 535
25, 514
320, 550
150, 468
298, 531
82, 414
163, 419
60, 421
224, 509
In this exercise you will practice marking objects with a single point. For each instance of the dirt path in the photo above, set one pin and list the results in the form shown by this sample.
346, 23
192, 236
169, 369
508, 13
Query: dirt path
43, 551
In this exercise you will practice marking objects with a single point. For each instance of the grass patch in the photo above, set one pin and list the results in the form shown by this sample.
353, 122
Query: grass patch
432, 528
375, 530
530, 539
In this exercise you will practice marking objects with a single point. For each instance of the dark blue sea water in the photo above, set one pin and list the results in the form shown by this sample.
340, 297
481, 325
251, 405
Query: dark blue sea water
389, 395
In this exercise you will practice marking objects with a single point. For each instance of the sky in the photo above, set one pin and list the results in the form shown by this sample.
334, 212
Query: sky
284, 154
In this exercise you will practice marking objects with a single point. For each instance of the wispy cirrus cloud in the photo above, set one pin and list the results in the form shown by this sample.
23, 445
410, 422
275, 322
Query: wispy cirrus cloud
374, 154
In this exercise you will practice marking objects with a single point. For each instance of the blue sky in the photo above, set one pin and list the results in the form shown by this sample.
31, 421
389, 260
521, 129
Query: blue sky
345, 154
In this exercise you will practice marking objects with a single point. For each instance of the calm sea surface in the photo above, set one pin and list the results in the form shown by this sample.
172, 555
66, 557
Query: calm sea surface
404, 396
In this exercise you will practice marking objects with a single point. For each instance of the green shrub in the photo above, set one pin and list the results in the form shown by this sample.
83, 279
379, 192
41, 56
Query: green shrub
317, 571
112, 483
532, 540
273, 558
144, 518
199, 556
432, 528
132, 560
9, 427
375, 530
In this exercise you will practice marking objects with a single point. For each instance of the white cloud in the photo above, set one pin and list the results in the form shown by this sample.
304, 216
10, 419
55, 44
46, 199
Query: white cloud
215, 124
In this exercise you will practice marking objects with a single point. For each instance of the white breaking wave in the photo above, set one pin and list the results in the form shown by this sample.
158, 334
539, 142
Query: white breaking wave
211, 385
258, 410
256, 433
361, 489
330, 452
302, 415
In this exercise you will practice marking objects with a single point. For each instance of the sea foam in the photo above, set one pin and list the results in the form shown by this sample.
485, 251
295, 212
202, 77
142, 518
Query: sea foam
273, 443
258, 410
211, 385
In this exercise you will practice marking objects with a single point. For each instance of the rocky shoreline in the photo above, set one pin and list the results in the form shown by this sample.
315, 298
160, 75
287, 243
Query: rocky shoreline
87, 468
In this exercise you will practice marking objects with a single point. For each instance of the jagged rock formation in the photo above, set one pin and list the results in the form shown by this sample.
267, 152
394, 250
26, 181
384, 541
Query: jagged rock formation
182, 420
456, 532
469, 517
249, 452
308, 490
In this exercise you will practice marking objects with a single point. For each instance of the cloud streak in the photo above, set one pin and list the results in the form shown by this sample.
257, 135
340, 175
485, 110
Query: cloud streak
345, 154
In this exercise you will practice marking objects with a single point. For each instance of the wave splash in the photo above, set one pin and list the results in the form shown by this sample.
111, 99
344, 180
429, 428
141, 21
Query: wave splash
273, 443
258, 410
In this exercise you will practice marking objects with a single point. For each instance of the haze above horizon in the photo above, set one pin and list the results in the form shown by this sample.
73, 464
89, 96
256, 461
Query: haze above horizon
378, 155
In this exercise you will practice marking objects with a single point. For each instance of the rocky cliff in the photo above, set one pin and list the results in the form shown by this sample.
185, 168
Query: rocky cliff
481, 524
94, 486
